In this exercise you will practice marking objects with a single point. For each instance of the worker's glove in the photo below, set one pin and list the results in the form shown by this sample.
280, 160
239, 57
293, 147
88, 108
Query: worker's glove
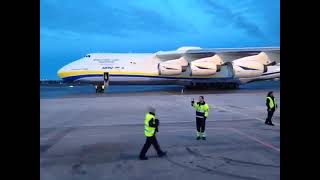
157, 122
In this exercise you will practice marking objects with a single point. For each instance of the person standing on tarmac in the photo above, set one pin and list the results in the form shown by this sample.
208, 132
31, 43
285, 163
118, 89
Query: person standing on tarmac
202, 112
271, 107
151, 125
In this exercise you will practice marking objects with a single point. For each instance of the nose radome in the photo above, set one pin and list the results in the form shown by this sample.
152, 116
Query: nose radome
65, 70
62, 72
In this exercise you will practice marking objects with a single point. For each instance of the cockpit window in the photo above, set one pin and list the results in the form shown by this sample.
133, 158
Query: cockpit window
87, 56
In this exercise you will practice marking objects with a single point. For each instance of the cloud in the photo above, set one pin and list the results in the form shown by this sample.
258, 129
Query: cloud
222, 13
98, 17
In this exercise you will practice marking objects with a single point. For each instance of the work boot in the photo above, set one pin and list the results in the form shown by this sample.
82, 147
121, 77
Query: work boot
271, 124
143, 158
162, 154
203, 136
198, 135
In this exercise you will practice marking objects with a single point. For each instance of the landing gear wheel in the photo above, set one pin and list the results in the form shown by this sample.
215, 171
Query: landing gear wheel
99, 88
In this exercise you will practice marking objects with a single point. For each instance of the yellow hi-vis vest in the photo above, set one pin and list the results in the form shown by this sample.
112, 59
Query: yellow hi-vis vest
149, 131
201, 110
271, 102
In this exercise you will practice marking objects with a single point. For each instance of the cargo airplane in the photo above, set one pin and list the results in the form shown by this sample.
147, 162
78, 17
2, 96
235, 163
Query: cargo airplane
189, 66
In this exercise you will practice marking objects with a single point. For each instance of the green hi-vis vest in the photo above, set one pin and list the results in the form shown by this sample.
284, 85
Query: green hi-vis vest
271, 102
201, 110
149, 131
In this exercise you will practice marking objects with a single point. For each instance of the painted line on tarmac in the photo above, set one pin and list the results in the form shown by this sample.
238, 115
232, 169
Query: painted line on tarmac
167, 130
256, 139
135, 133
188, 129
232, 111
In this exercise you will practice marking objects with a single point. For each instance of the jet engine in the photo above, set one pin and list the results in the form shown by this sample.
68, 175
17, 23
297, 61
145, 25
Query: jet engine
206, 66
251, 66
173, 67
169, 68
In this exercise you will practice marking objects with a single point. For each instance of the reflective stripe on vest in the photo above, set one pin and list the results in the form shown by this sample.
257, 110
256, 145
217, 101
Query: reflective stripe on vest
271, 102
148, 131
202, 111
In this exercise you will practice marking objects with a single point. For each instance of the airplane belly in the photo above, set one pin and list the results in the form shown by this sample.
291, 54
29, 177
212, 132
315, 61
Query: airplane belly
116, 79
265, 76
94, 79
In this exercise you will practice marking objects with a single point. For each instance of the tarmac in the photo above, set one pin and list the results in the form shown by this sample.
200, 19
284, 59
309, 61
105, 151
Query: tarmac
100, 137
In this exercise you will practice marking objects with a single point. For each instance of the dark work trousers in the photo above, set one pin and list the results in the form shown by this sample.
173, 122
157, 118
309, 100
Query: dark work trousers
270, 114
150, 140
201, 124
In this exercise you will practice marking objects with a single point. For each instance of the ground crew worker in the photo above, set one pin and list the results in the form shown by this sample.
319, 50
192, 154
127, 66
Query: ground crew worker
151, 125
271, 107
202, 112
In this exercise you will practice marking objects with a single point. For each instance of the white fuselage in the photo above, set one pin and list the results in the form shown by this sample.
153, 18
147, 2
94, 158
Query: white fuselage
142, 68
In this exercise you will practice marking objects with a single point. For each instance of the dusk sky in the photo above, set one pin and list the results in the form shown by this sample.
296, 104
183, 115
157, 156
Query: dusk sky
69, 29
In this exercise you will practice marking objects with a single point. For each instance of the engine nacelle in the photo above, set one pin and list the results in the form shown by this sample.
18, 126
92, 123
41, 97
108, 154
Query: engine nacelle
206, 66
181, 61
250, 66
169, 68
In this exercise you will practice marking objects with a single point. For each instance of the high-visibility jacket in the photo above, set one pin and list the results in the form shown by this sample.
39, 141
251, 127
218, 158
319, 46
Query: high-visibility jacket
272, 102
202, 110
149, 131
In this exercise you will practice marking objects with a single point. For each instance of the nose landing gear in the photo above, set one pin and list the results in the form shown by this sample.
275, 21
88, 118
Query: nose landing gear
101, 87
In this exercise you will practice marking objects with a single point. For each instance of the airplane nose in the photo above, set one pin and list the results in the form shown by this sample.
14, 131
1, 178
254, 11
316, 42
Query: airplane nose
61, 72
65, 70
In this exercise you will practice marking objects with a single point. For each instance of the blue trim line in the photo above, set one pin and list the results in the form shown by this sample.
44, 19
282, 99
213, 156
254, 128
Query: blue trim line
73, 78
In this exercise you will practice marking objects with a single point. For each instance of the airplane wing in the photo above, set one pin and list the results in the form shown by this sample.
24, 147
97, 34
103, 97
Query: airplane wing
228, 54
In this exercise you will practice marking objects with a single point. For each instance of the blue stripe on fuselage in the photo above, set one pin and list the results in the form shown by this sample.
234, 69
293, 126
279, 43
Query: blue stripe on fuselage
73, 78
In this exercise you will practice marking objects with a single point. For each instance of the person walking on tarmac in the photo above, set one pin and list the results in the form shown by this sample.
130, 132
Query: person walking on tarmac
202, 112
271, 107
151, 125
